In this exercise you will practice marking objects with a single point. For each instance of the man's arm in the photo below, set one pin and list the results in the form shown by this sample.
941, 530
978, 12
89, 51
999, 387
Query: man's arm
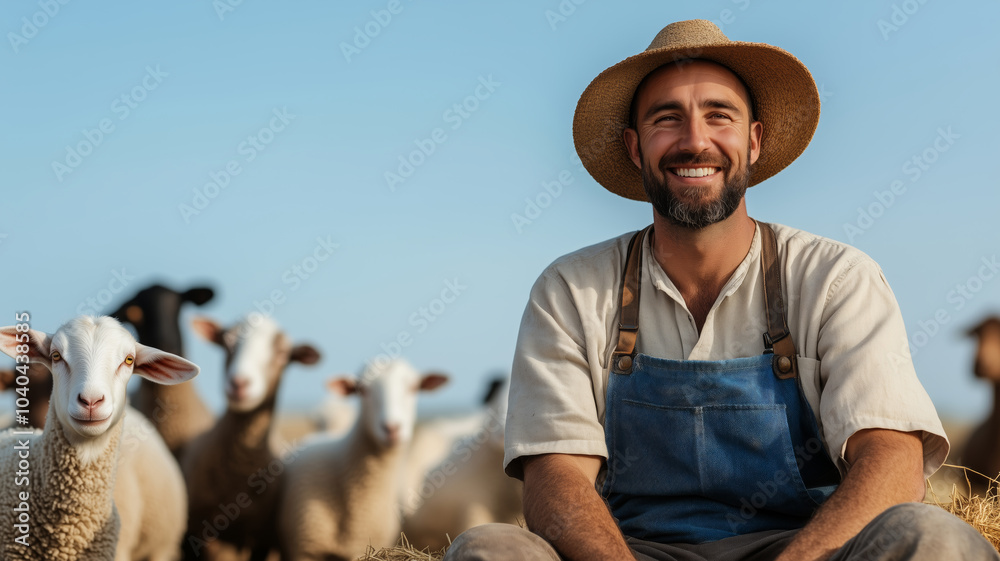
562, 505
886, 470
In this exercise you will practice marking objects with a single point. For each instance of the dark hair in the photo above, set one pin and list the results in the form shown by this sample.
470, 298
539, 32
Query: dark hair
632, 117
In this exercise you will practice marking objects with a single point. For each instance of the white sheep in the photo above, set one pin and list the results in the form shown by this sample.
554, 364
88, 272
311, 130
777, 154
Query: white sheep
62, 479
469, 487
149, 493
434, 438
233, 471
342, 494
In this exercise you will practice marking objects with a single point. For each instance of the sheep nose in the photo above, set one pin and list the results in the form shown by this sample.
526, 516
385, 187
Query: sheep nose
238, 384
88, 403
391, 431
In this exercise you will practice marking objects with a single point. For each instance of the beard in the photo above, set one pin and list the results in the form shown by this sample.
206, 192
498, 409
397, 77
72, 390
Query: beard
694, 215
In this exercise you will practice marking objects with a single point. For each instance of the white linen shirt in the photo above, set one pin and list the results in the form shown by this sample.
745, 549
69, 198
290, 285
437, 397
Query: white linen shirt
853, 356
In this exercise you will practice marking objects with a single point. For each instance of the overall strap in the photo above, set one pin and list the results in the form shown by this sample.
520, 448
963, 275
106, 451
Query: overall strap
777, 339
628, 322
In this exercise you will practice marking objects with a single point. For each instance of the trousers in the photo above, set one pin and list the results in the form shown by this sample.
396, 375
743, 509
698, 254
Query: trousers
905, 532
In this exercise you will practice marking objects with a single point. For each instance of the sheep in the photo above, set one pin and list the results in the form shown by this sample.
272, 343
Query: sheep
149, 493
342, 494
231, 469
38, 388
177, 412
432, 442
982, 451
469, 487
64, 477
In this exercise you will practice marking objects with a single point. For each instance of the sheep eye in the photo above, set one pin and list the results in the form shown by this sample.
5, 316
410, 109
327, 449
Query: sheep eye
129, 360
55, 356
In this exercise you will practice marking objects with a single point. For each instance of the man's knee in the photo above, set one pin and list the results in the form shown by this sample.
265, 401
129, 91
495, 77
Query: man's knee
499, 542
914, 530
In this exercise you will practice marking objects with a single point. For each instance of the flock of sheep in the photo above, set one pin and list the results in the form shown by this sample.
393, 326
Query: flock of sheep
161, 479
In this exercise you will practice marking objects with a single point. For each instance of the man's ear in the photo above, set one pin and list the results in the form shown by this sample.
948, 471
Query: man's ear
631, 139
756, 134
38, 345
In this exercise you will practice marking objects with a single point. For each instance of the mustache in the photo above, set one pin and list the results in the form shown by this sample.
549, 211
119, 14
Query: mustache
702, 159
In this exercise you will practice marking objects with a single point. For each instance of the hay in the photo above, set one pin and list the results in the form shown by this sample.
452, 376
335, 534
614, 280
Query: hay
980, 512
402, 552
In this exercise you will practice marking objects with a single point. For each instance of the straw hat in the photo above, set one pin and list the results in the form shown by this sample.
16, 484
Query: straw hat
785, 99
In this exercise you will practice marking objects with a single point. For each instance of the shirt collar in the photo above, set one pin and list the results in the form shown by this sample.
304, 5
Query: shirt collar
659, 279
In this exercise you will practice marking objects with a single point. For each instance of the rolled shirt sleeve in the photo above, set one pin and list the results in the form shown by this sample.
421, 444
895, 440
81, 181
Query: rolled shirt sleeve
866, 372
558, 375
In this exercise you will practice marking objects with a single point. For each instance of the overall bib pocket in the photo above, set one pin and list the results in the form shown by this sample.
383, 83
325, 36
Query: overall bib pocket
719, 452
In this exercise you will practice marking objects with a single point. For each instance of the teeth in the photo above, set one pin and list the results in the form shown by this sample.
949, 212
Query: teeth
696, 172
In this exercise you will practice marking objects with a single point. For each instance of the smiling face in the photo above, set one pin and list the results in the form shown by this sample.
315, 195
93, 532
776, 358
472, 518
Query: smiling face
694, 140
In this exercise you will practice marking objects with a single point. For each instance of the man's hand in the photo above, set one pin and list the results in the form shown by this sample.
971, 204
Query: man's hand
886, 470
562, 506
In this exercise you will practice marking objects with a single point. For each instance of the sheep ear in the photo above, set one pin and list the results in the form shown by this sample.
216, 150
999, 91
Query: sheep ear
432, 381
305, 354
39, 344
198, 295
208, 330
162, 367
342, 385
496, 384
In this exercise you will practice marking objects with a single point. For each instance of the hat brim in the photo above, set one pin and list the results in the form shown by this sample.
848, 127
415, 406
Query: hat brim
785, 96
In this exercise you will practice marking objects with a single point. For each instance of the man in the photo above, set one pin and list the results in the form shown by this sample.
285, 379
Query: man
714, 388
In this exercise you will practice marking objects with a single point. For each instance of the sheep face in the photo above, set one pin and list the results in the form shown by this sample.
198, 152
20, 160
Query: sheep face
388, 399
91, 360
257, 352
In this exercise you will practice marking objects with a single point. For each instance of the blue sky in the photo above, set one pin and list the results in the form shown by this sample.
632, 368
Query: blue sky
275, 124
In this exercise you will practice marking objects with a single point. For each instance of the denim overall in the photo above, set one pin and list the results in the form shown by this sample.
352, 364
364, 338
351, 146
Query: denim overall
704, 450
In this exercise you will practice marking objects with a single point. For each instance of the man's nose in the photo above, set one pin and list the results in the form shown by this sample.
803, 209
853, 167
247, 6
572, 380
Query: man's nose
695, 137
